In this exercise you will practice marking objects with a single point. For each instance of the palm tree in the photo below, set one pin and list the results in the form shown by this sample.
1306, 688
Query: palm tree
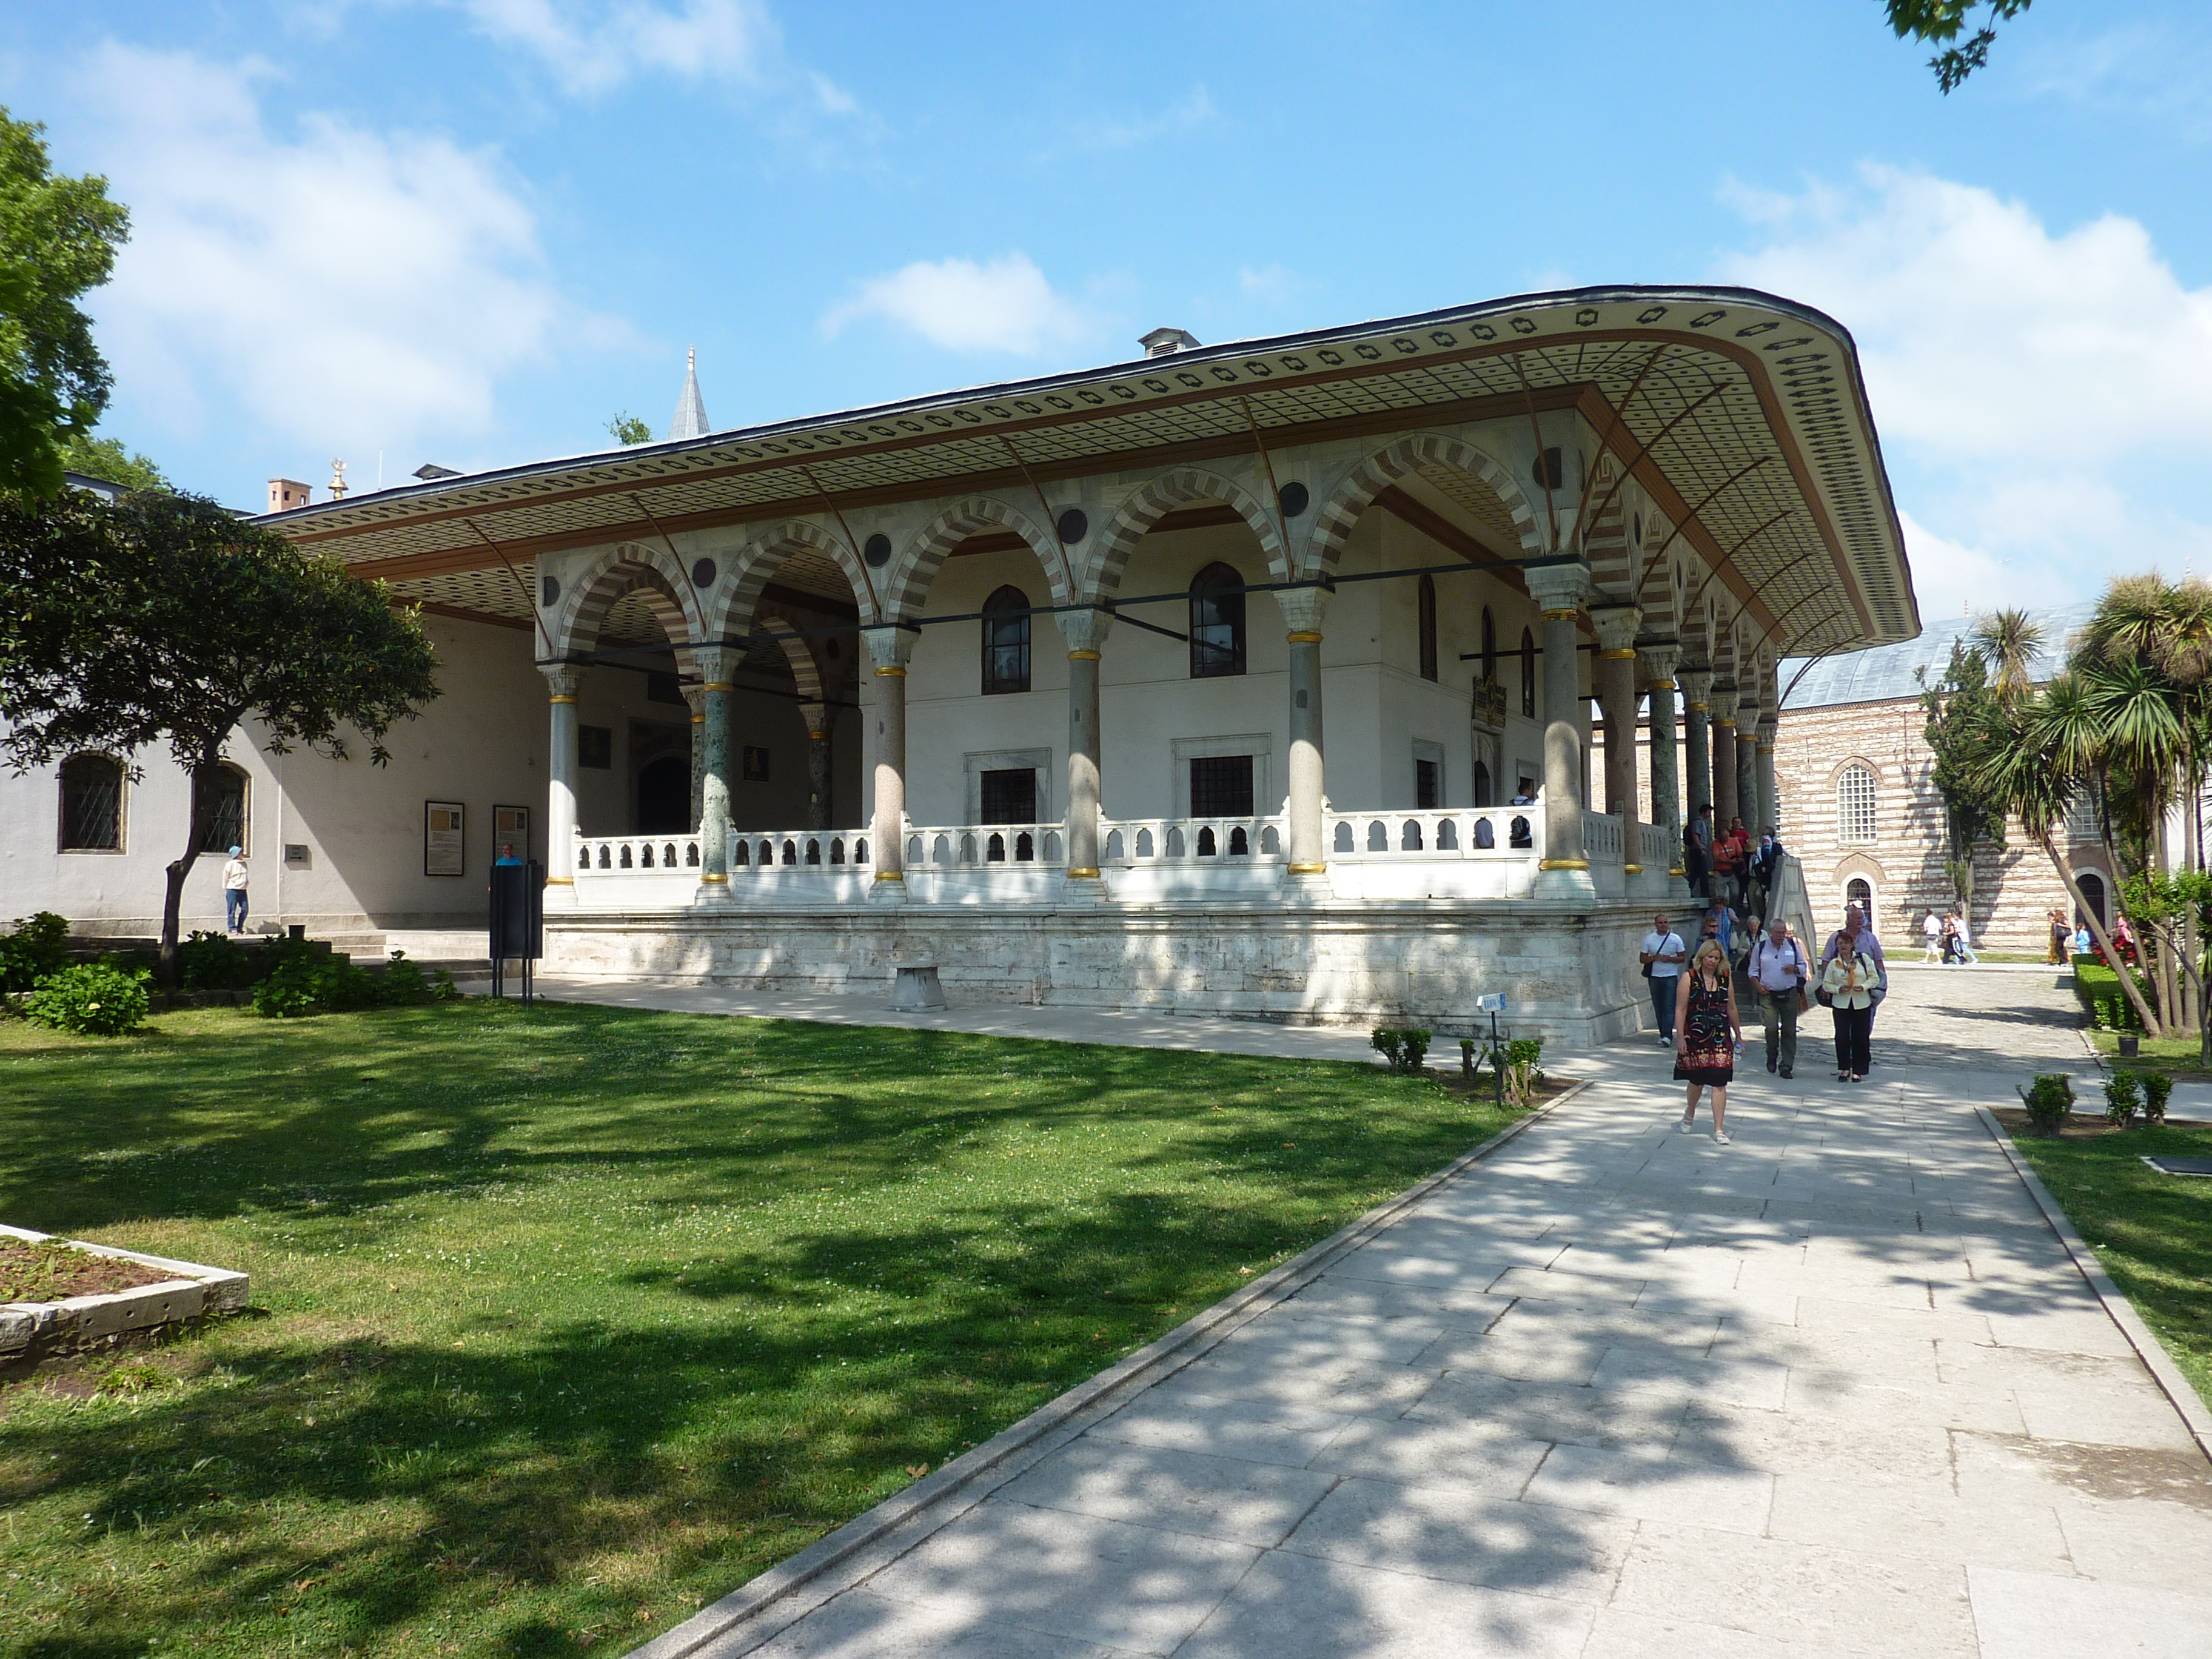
2008, 644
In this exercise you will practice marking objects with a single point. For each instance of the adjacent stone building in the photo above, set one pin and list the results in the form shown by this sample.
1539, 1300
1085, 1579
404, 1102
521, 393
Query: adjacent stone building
1859, 808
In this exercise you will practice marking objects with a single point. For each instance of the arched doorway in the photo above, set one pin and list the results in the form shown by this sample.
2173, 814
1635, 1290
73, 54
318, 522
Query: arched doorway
1860, 892
2093, 894
663, 796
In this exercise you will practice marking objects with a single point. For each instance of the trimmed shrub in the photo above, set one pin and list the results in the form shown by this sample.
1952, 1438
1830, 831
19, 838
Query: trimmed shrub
405, 984
1405, 1049
2048, 1100
93, 999
214, 962
1521, 1072
2098, 989
302, 984
35, 949
2123, 1090
2156, 1086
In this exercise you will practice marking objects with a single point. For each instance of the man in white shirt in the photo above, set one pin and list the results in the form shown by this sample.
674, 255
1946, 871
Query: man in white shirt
1778, 968
1662, 954
1965, 932
233, 891
1932, 925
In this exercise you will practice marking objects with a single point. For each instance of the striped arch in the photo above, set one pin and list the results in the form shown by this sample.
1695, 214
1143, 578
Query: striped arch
757, 560
907, 590
804, 669
1332, 525
1606, 536
1146, 505
652, 573
1660, 595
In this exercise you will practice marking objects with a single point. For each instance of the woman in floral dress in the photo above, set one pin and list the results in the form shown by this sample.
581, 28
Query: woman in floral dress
1707, 1032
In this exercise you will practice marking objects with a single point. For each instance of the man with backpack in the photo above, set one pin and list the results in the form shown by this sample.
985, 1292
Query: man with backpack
1777, 967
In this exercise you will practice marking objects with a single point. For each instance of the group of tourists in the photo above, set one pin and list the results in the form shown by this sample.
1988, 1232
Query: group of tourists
1694, 998
1950, 940
1726, 865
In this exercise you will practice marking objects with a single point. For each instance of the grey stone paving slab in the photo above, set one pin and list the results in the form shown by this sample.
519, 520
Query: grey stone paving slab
1296, 1607
1617, 1391
2028, 1615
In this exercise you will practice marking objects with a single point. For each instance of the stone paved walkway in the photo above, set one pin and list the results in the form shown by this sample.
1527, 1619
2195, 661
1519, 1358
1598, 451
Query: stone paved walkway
1834, 1389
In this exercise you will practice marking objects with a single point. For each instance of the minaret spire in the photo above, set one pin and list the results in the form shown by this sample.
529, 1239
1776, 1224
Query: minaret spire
690, 420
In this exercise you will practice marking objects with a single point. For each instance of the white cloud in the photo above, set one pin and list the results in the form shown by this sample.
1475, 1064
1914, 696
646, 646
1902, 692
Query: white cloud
349, 288
591, 46
2043, 398
1193, 109
1005, 304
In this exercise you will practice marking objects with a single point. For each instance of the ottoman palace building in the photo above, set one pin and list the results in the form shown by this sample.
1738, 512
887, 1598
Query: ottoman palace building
1300, 678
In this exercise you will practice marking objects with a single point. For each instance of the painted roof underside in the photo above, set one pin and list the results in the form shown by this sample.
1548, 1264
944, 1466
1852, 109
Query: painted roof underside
1807, 538
1891, 671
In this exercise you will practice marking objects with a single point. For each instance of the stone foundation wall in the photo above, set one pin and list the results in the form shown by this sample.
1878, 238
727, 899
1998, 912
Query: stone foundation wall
1568, 971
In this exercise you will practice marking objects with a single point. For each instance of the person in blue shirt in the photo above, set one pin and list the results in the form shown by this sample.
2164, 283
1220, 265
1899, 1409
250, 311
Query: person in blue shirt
507, 854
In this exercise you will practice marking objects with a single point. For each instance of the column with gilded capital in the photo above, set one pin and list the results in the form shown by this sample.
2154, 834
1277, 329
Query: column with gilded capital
889, 649
1615, 626
1697, 744
1304, 608
1655, 667
1770, 808
716, 665
1564, 870
563, 683
1085, 633
1746, 756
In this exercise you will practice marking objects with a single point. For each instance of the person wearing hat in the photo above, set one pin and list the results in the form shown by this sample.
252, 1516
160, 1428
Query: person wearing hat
233, 891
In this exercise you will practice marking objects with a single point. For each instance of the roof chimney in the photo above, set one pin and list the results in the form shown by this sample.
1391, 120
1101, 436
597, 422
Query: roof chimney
285, 494
1162, 342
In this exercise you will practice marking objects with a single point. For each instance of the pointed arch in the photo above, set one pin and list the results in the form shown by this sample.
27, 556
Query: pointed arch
655, 575
760, 555
1356, 493
805, 671
908, 590
1148, 503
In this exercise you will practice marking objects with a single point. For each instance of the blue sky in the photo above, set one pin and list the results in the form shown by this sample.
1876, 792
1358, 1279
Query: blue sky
469, 231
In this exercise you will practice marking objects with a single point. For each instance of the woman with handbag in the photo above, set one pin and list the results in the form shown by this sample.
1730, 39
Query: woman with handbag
1708, 1031
1851, 985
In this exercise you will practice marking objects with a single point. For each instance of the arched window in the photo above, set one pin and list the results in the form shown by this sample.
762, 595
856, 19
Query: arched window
1860, 892
1489, 646
1482, 786
1006, 642
1428, 625
1528, 673
1855, 804
219, 814
1217, 623
2093, 893
92, 803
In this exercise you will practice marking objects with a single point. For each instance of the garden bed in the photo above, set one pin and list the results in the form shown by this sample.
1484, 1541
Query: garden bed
53, 1270
63, 1295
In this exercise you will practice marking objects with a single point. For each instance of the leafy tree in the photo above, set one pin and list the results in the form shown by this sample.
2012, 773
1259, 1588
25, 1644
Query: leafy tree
163, 618
57, 238
106, 458
1965, 720
628, 429
1942, 21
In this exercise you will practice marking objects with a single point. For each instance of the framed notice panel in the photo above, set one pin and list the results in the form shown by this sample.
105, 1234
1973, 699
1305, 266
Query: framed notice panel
443, 842
511, 825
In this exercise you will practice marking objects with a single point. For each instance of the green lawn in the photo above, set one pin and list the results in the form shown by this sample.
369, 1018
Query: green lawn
570, 1319
2152, 1231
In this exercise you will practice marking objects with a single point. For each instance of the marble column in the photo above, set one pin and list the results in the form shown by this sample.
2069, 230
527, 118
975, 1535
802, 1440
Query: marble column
1724, 805
1615, 626
1770, 808
1655, 667
716, 665
1303, 611
562, 684
1697, 741
1747, 759
889, 649
816, 716
1564, 870
1085, 633
696, 695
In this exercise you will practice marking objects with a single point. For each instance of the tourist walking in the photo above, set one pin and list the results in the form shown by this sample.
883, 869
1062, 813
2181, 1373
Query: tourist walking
234, 877
1727, 867
1698, 852
1962, 934
1851, 985
1860, 937
1707, 1033
1932, 926
1662, 954
1765, 866
1780, 971
2061, 936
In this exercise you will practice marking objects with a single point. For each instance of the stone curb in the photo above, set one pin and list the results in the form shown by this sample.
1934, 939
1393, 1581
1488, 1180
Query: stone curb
2147, 1347
942, 1497
28, 1328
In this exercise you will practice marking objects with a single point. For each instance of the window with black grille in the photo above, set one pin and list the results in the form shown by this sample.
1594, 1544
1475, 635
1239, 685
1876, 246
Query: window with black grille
219, 809
1221, 786
92, 803
1217, 623
1011, 796
1007, 649
1428, 785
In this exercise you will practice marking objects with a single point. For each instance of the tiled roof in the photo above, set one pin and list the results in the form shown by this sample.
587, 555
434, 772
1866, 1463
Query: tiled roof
1890, 671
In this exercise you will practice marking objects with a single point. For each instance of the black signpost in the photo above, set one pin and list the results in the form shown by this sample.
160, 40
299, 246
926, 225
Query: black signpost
518, 921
